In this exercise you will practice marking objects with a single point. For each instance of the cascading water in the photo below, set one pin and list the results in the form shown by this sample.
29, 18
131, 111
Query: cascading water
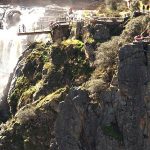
10, 50
12, 45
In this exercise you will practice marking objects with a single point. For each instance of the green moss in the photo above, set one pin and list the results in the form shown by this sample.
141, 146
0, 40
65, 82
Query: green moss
55, 65
33, 55
35, 62
45, 57
75, 43
90, 40
48, 66
40, 51
70, 61
14, 98
22, 83
37, 54
113, 132
26, 96
57, 95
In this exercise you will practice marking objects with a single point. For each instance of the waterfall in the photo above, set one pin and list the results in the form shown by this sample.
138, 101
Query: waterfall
12, 45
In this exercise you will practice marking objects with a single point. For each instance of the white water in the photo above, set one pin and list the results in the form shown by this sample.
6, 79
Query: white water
12, 45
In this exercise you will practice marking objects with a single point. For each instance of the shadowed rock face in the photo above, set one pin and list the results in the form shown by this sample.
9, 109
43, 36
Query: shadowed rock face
60, 32
70, 121
134, 88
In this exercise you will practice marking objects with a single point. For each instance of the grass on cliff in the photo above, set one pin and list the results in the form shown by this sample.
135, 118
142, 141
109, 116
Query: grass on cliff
107, 53
106, 61
31, 73
56, 96
67, 63
53, 66
135, 27
22, 83
90, 40
63, 64
32, 126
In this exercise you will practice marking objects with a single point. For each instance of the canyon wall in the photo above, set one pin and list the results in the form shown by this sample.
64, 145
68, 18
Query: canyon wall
87, 93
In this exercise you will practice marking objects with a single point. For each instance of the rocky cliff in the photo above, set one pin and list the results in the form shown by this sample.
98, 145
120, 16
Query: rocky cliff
88, 93
134, 86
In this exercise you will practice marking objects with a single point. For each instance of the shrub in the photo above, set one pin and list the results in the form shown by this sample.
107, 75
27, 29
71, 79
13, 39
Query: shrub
22, 83
90, 40
107, 53
135, 27
75, 43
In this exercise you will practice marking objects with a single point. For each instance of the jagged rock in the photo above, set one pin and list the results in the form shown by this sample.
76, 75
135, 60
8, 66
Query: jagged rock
133, 76
111, 114
60, 32
98, 32
70, 120
32, 127
79, 30
101, 32
89, 51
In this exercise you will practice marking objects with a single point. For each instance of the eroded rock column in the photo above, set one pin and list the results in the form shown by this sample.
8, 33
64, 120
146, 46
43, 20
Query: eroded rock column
133, 77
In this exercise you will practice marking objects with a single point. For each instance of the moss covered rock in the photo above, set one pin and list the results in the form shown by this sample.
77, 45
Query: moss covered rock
47, 68
32, 127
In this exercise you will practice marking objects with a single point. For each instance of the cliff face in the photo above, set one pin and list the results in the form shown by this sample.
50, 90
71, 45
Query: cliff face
74, 95
134, 88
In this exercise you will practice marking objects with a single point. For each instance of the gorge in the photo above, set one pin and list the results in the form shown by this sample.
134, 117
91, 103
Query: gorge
83, 86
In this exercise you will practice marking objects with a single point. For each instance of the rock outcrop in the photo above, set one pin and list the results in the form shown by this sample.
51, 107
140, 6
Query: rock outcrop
134, 86
45, 68
59, 101
60, 32
70, 121
33, 126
